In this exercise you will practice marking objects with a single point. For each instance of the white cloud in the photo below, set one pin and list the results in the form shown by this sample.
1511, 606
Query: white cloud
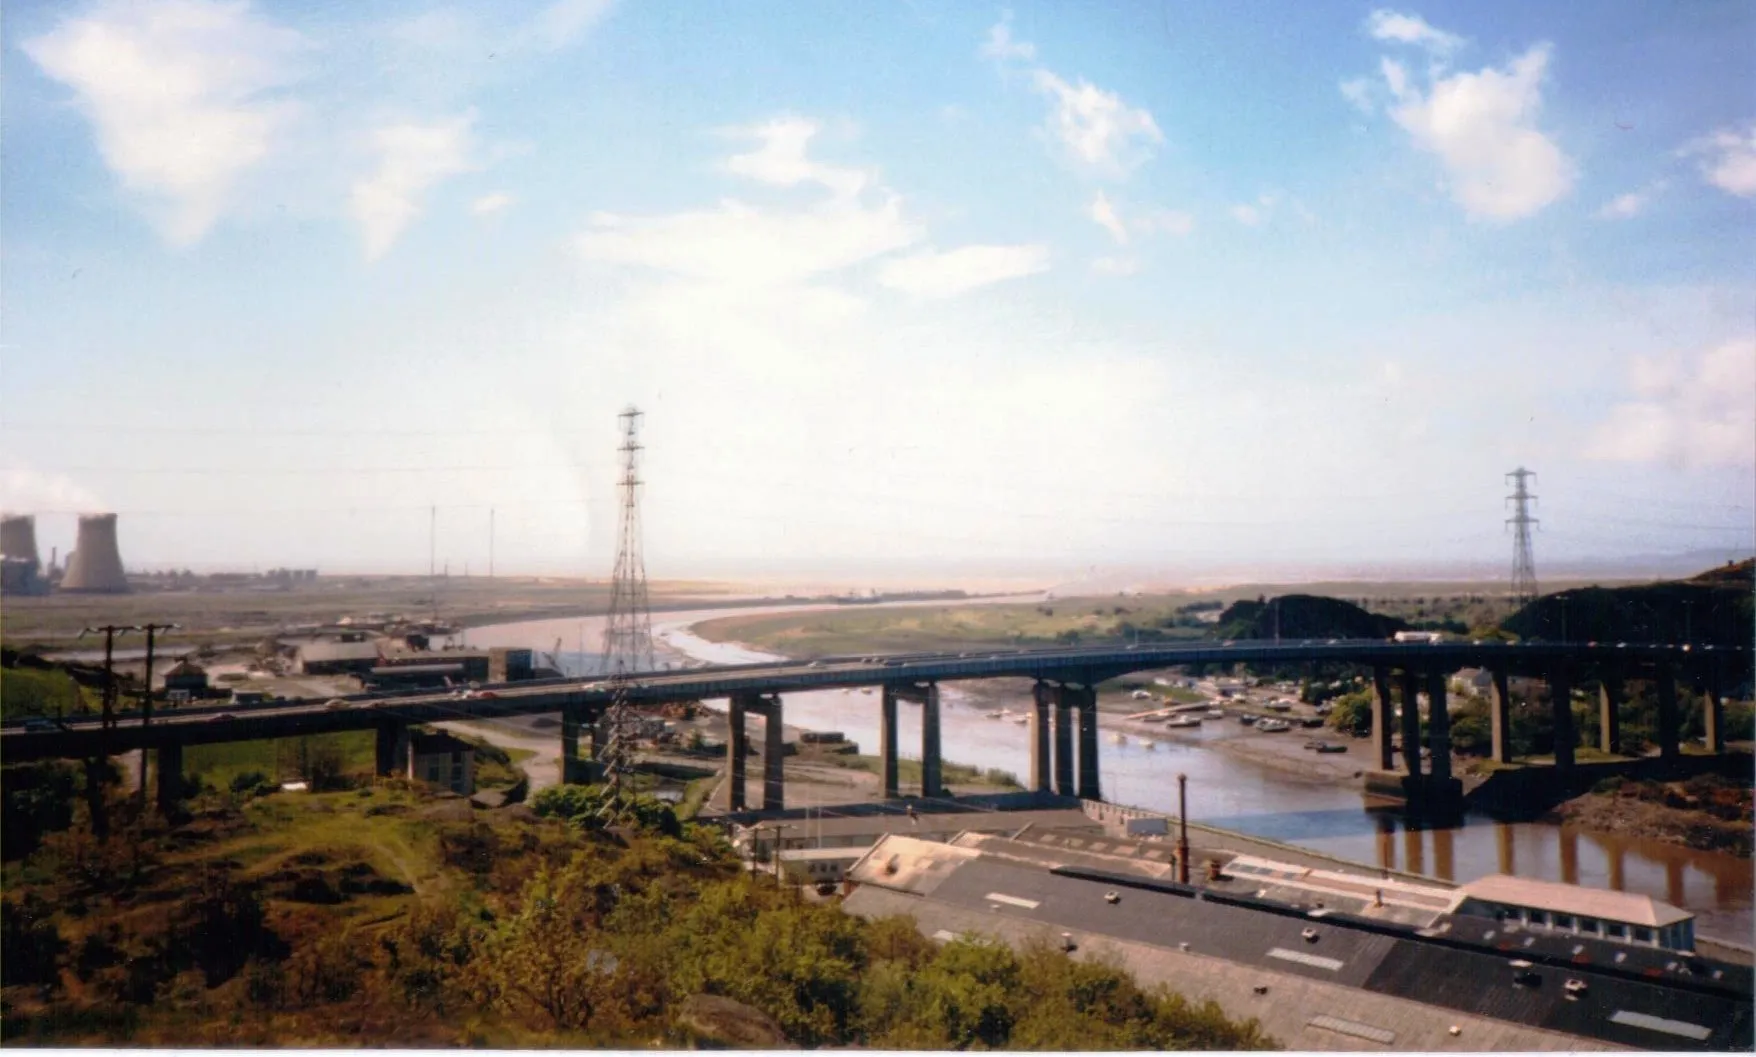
1728, 160
781, 159
1482, 127
1686, 415
1103, 214
491, 203
934, 274
411, 159
744, 246
1631, 204
1096, 128
1257, 213
181, 95
1163, 221
1358, 92
1116, 265
1002, 47
1410, 29
565, 21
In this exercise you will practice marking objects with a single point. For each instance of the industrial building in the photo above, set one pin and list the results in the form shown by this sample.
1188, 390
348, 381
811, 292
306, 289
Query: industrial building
1316, 976
21, 569
353, 654
95, 566
442, 760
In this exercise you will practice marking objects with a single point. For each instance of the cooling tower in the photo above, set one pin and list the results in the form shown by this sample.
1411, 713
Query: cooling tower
18, 538
96, 564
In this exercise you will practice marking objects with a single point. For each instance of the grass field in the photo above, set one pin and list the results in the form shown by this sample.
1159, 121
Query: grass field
903, 629
278, 759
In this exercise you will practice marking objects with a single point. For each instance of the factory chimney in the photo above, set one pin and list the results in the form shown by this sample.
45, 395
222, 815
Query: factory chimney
18, 538
96, 564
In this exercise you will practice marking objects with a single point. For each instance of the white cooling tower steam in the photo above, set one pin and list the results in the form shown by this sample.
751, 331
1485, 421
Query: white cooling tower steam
18, 538
96, 564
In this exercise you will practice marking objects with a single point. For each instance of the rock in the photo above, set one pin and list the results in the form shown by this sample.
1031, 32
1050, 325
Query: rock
717, 1022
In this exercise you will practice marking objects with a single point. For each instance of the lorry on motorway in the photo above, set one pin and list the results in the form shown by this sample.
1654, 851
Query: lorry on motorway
1432, 637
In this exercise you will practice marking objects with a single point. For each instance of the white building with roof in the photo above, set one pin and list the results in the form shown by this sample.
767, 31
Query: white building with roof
1620, 917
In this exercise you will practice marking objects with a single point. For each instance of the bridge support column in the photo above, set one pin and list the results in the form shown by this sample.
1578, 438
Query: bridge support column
932, 761
1089, 788
1713, 716
1438, 728
774, 792
392, 756
1609, 713
737, 748
1041, 753
1667, 712
1500, 715
887, 744
170, 761
1063, 742
1411, 722
570, 724
1383, 708
1561, 706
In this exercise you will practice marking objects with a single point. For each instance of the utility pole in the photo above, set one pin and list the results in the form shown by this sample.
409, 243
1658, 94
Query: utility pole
1524, 583
146, 694
1183, 828
94, 791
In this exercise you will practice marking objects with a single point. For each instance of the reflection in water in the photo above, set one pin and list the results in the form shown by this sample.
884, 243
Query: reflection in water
1411, 840
1569, 856
1503, 841
1444, 854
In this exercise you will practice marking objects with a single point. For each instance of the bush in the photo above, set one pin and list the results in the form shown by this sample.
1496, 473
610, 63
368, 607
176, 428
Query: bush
30, 943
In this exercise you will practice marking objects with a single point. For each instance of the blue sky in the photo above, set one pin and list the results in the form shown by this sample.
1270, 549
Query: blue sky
903, 288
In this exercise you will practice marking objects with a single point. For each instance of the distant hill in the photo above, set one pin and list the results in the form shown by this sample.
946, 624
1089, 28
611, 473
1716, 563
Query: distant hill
1713, 607
1303, 617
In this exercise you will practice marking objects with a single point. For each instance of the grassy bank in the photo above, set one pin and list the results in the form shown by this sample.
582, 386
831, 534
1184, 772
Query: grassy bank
384, 916
908, 772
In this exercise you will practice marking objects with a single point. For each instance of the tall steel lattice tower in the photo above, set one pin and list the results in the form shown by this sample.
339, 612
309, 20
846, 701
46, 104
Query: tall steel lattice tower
1524, 582
628, 629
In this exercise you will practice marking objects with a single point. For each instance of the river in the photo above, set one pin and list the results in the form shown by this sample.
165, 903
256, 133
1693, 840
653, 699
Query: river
1224, 790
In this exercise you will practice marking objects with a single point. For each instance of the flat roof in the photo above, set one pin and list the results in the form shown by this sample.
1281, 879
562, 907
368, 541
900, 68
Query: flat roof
339, 651
945, 822
1554, 896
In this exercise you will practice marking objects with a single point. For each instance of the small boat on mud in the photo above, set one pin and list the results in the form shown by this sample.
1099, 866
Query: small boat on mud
1119, 738
997, 714
1149, 745
1022, 720
1183, 721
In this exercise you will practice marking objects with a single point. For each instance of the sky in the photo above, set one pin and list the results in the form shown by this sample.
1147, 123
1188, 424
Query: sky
901, 289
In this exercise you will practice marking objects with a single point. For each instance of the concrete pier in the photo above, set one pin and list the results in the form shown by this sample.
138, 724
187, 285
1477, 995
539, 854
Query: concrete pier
1042, 757
737, 748
1713, 715
1561, 707
932, 759
1383, 708
1609, 713
1089, 787
1063, 742
1667, 712
887, 744
1500, 715
774, 783
1411, 723
1438, 728
571, 721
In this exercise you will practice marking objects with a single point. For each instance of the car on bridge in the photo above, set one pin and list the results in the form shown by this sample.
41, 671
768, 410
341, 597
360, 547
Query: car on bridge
41, 725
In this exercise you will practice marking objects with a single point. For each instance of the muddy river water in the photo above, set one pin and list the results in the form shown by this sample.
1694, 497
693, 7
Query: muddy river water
1224, 790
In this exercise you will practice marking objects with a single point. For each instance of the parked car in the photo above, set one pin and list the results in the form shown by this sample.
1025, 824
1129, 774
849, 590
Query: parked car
41, 725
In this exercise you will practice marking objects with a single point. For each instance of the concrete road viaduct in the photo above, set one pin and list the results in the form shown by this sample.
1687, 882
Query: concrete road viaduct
1064, 725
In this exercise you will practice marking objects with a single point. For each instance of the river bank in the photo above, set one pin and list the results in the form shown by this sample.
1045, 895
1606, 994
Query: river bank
1706, 816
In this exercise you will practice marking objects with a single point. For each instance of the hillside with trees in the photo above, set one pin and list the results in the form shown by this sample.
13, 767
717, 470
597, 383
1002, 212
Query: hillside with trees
1713, 608
387, 915
1303, 617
